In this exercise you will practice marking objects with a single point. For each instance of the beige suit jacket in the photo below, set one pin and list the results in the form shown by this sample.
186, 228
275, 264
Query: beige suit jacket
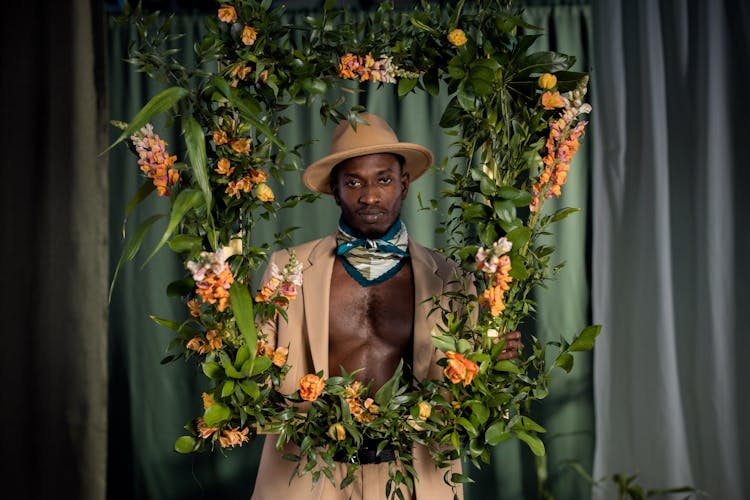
306, 335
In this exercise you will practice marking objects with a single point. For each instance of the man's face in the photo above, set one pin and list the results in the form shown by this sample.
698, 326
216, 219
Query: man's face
370, 190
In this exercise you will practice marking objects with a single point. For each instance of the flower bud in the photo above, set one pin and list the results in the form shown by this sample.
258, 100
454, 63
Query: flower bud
547, 81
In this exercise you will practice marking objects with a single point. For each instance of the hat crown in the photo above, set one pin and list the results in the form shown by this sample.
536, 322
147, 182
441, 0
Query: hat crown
375, 132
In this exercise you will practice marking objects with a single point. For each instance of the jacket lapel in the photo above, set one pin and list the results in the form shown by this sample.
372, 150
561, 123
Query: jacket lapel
317, 291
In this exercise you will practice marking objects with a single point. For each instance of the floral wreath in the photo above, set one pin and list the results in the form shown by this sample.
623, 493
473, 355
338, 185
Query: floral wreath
522, 113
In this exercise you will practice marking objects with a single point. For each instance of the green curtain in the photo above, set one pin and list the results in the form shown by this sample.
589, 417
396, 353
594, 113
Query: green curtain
54, 250
150, 402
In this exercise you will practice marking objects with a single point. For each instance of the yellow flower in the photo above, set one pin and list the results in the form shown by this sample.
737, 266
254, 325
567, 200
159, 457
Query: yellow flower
249, 34
227, 14
547, 81
208, 400
264, 193
337, 432
457, 37
424, 410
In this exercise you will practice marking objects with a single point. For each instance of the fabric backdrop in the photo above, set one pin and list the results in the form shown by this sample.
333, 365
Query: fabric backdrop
54, 250
150, 402
670, 245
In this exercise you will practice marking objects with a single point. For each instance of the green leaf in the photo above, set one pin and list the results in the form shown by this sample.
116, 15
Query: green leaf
519, 197
216, 414
242, 308
444, 343
496, 433
535, 444
386, 392
196, 147
146, 189
585, 340
562, 213
186, 201
251, 389
180, 288
470, 429
505, 210
480, 412
406, 85
544, 62
186, 243
212, 370
260, 365
528, 424
506, 366
229, 368
519, 236
185, 444
158, 104
475, 212
314, 85
466, 95
172, 325
565, 361
133, 246
228, 388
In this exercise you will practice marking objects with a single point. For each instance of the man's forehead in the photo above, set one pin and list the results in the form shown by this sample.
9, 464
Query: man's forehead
380, 161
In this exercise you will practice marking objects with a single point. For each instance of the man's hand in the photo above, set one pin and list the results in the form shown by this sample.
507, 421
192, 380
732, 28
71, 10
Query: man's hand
512, 345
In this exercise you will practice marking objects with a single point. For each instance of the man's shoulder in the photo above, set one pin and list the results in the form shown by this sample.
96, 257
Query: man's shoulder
442, 262
304, 250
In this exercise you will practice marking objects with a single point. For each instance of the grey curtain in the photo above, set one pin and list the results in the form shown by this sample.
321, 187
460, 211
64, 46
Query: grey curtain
54, 250
150, 402
670, 245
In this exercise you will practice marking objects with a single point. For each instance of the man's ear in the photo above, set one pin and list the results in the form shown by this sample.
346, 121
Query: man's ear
404, 185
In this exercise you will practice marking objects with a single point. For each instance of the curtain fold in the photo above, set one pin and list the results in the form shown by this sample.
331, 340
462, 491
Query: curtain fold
666, 245
54, 233
151, 402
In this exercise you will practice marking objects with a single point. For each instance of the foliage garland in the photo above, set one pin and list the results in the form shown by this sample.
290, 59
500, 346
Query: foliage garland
519, 113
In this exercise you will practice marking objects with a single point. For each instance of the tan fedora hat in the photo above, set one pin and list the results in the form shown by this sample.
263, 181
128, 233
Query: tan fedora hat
375, 136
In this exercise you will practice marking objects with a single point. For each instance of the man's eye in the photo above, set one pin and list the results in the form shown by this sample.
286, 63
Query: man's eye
352, 183
386, 180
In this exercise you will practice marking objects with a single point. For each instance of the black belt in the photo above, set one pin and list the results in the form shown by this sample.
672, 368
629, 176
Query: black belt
366, 455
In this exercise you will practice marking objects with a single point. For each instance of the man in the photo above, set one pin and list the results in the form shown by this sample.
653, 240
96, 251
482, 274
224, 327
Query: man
365, 301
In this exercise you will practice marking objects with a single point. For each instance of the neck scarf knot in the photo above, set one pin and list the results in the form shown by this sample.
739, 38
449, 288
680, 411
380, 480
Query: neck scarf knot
372, 261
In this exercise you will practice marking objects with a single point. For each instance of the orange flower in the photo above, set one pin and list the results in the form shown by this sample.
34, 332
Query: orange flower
263, 76
279, 356
349, 65
460, 369
552, 100
310, 387
547, 81
233, 437
265, 293
220, 137
337, 432
264, 193
457, 37
257, 176
241, 146
214, 342
249, 35
240, 71
224, 167
154, 159
195, 308
205, 431
197, 344
227, 14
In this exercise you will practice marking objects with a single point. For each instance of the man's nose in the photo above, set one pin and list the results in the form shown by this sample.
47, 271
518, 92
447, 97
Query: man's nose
369, 195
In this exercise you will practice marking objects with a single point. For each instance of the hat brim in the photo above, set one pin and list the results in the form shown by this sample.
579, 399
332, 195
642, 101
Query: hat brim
417, 159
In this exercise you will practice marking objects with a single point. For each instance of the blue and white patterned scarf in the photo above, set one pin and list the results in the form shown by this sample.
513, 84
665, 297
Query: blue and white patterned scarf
373, 261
